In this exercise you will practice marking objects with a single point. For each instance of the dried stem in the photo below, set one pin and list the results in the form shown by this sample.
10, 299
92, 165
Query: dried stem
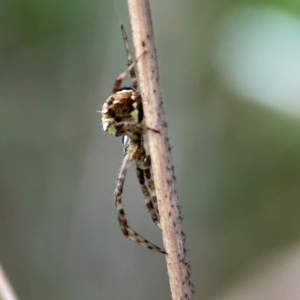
160, 150
6, 291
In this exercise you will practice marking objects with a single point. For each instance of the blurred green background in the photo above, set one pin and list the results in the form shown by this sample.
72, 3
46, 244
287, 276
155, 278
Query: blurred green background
230, 73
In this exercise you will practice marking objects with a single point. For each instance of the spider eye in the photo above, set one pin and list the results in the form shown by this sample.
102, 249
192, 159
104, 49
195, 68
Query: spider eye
118, 119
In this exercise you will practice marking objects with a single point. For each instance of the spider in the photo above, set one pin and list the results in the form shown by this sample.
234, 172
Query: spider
122, 115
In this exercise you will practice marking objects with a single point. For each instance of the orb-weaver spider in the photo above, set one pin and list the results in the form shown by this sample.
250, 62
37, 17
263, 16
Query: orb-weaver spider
122, 115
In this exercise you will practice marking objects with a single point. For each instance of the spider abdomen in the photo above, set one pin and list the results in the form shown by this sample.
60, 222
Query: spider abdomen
122, 106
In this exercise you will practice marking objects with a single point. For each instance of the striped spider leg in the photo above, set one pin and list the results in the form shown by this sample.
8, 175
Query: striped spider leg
143, 164
122, 115
134, 150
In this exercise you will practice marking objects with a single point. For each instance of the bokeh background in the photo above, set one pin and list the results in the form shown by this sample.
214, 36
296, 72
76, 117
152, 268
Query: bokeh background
230, 73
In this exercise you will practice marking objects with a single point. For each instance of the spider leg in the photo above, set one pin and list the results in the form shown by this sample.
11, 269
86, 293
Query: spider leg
143, 163
152, 188
120, 78
129, 59
126, 229
136, 127
133, 130
152, 211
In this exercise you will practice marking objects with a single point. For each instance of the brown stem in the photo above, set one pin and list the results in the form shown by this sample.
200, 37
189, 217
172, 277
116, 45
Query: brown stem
6, 291
160, 150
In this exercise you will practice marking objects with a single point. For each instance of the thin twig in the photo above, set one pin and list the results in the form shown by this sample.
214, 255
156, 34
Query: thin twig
6, 291
160, 150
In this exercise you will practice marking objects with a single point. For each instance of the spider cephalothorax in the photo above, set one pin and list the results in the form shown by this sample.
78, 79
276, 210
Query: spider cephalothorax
122, 115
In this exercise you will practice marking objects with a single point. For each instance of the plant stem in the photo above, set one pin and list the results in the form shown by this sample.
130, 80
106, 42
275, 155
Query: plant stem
6, 291
160, 150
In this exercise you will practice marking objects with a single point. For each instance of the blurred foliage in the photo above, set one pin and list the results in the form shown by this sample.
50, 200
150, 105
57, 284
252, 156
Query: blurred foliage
237, 162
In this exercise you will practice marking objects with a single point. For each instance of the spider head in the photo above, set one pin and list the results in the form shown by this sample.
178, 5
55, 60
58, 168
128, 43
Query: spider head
122, 106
